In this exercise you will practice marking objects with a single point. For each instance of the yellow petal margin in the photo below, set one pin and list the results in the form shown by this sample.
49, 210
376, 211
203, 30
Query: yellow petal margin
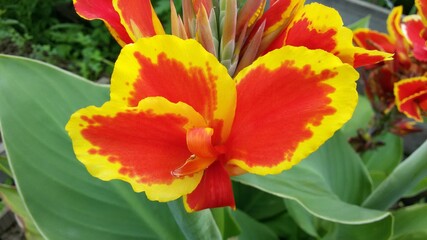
140, 145
289, 102
320, 27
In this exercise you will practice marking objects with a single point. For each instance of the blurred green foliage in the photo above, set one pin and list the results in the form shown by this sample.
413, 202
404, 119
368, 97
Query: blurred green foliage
51, 31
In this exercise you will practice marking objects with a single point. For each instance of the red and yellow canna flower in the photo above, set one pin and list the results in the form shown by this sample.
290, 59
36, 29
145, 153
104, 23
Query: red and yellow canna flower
415, 27
395, 83
394, 42
407, 37
178, 125
236, 36
411, 97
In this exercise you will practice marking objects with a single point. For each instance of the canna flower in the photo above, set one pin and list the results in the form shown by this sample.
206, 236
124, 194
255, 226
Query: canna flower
399, 82
411, 97
381, 78
415, 27
236, 36
393, 42
178, 125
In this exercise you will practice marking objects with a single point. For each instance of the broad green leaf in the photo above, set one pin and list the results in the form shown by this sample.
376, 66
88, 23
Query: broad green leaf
382, 160
65, 202
341, 169
404, 177
10, 196
419, 188
257, 204
361, 23
380, 230
226, 222
361, 117
302, 217
193, 225
410, 223
252, 229
329, 184
285, 227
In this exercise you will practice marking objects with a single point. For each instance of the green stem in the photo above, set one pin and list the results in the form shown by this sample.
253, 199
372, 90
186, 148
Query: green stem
403, 178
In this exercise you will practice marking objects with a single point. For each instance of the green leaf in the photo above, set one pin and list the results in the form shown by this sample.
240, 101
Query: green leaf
410, 223
329, 184
361, 117
404, 178
382, 160
285, 227
380, 230
257, 204
419, 188
302, 217
65, 202
10, 196
226, 222
252, 229
195, 225
361, 23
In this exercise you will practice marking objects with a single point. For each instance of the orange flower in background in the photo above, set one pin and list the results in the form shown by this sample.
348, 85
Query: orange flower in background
236, 36
179, 125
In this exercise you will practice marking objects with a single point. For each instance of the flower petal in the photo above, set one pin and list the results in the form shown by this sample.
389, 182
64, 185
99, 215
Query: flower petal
316, 21
278, 15
140, 145
104, 10
139, 18
416, 33
179, 70
362, 57
396, 34
289, 102
214, 190
373, 40
411, 96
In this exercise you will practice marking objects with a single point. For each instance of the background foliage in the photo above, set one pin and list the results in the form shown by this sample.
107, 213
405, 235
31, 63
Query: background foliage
51, 31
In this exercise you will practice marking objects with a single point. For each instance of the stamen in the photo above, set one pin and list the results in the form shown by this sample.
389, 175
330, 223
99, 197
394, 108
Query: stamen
193, 165
204, 154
